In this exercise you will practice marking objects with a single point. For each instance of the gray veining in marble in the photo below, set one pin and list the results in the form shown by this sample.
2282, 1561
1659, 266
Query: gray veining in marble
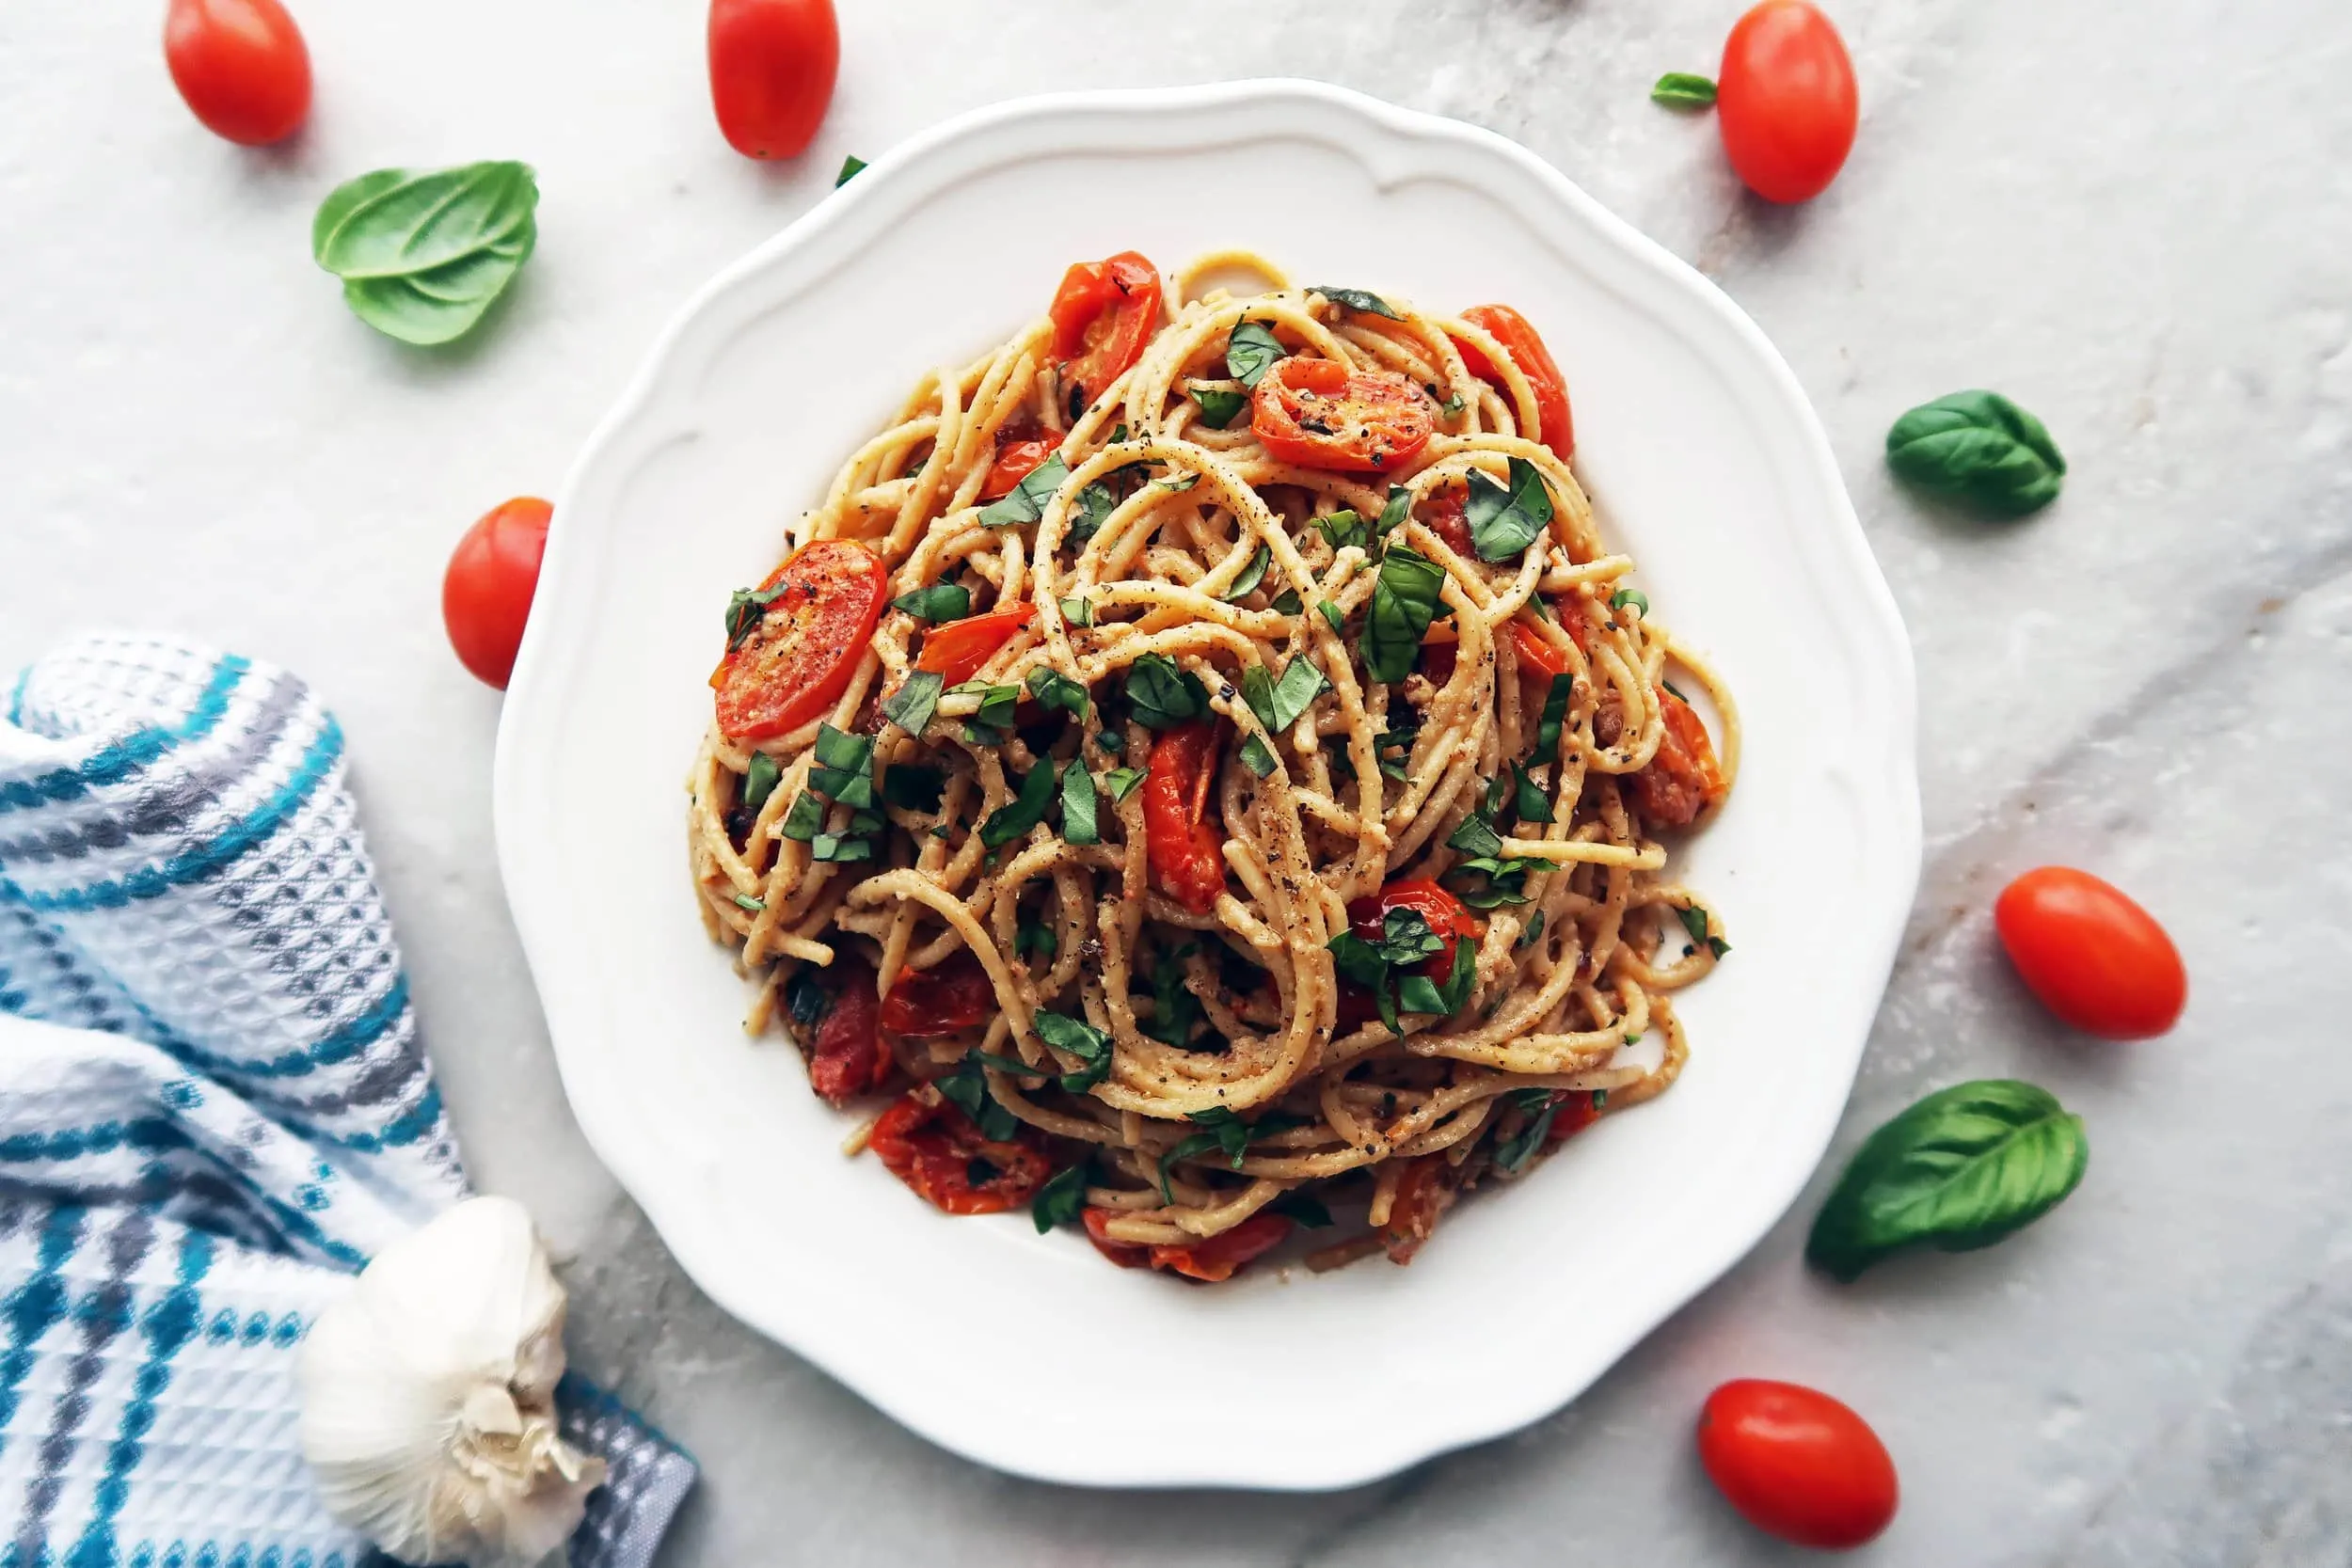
2133, 218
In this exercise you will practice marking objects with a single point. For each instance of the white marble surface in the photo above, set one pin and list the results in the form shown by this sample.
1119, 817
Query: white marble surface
2133, 219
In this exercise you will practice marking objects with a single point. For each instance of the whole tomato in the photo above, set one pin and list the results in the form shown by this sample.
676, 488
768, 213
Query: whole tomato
1797, 1463
242, 67
485, 594
773, 64
1786, 100
2095, 957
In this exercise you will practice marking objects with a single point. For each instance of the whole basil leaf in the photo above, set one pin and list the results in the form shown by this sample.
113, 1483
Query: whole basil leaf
1404, 602
1961, 1169
1979, 446
1503, 523
1251, 351
1356, 299
1078, 805
421, 256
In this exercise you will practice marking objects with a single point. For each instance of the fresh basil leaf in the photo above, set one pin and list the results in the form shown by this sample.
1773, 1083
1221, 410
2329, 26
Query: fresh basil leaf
1496, 787
1356, 299
911, 705
1555, 714
1304, 1210
759, 781
1179, 484
1252, 574
1119, 783
806, 997
1220, 406
1119, 433
1398, 507
1061, 1200
1199, 1143
1251, 351
1475, 836
1484, 882
912, 787
1961, 1169
1331, 612
1404, 602
1075, 1036
1027, 501
1394, 746
423, 256
1679, 90
1078, 612
1513, 1152
852, 167
1980, 448
745, 901
967, 1089
1174, 1008
1695, 922
1111, 742
1024, 811
1407, 937
1096, 505
805, 819
943, 601
1077, 804
1053, 690
1343, 528
1162, 694
1418, 994
1527, 938
1257, 756
1357, 962
1529, 803
840, 847
1670, 686
1287, 602
1632, 596
746, 609
1449, 404
1503, 523
1278, 703
993, 721
845, 766
1034, 939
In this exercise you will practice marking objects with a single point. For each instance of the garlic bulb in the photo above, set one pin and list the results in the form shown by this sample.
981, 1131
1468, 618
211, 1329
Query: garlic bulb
428, 1392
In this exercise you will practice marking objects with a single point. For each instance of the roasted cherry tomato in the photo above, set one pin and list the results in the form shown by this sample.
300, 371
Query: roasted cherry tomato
1683, 779
846, 1056
1319, 414
1447, 514
1538, 657
1527, 351
933, 1147
1424, 1191
1015, 459
1572, 1111
2097, 960
795, 660
1213, 1260
946, 999
486, 592
773, 64
242, 67
1445, 914
957, 650
1185, 848
1797, 1463
1786, 100
1103, 313
1127, 1254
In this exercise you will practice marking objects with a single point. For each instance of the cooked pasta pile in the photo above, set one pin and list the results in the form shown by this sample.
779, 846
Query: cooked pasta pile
1220, 795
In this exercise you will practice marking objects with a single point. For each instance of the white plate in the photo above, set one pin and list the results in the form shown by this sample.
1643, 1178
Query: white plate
1704, 460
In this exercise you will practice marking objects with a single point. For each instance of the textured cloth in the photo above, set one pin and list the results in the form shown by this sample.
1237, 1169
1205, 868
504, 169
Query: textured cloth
225, 1115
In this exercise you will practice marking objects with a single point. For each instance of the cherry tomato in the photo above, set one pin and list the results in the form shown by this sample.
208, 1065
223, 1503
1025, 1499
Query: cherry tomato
1103, 313
1447, 917
486, 592
1797, 1463
773, 64
933, 1147
1683, 778
951, 996
1447, 513
1015, 459
242, 67
1127, 1254
957, 650
1786, 100
1213, 1260
801, 652
1572, 1111
1438, 660
1423, 1193
2097, 960
1538, 657
1525, 347
846, 1056
1186, 849
1319, 414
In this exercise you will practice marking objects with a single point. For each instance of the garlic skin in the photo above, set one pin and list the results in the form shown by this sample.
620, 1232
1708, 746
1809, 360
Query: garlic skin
428, 1411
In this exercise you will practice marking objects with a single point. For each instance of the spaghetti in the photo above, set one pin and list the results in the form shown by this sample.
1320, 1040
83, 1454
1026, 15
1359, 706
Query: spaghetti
1206, 763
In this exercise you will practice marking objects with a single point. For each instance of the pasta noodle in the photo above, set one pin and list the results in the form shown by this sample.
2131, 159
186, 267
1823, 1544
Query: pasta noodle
1359, 899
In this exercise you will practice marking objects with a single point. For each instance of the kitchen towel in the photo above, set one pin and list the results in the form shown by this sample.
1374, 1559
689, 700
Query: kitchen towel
214, 1108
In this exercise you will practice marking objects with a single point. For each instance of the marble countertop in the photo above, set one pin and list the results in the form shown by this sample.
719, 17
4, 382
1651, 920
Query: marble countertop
2133, 219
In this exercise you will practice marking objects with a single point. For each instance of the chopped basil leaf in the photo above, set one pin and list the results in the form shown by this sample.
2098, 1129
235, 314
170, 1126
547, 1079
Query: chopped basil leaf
1633, 596
1077, 805
1406, 937
1179, 484
912, 706
1343, 528
805, 817
1111, 742
945, 601
759, 781
1053, 690
912, 787
850, 167
1220, 406
1693, 921
746, 609
1419, 993
1060, 1200
1356, 299
1278, 703
1162, 694
1096, 505
1287, 602
1404, 602
1256, 755
845, 766
1527, 938
1024, 811
1226, 1131
1503, 523
1298, 1206
1680, 89
805, 996
1251, 351
1331, 612
1475, 836
967, 1089
1514, 1151
1529, 803
1174, 1008
1485, 882
1119, 783
1449, 404
1119, 433
1082, 1040
1026, 502
1393, 515
1252, 574
745, 901
1554, 715
993, 722
840, 847
1496, 787
1078, 612
1398, 739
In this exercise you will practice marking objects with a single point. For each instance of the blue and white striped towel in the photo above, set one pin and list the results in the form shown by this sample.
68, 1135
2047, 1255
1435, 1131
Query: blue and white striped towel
226, 1112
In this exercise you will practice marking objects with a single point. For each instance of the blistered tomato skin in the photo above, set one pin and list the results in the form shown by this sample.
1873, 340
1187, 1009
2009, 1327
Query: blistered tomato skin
1786, 100
240, 66
488, 590
1797, 1463
2095, 957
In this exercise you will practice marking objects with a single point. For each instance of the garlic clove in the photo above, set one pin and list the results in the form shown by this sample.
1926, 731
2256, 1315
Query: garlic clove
428, 1396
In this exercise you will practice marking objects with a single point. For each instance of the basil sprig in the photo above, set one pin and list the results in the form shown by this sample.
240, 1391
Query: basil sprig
423, 255
942, 601
1225, 1131
1251, 351
1503, 523
911, 705
1404, 602
1356, 299
1219, 406
1959, 1170
1025, 502
1680, 89
1980, 448
1162, 693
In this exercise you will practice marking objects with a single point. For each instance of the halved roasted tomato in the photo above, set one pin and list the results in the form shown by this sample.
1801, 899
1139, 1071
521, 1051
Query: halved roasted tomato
1319, 414
794, 644
1103, 313
935, 1148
